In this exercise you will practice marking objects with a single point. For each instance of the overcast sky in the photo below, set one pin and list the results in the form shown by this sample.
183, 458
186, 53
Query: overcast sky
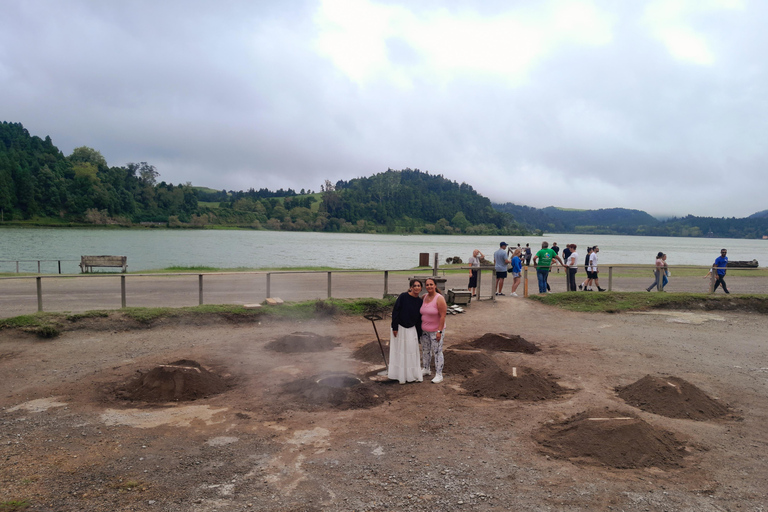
658, 105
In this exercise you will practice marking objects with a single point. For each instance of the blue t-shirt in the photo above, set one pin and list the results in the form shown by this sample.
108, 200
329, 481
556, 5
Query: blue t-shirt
722, 261
500, 260
517, 265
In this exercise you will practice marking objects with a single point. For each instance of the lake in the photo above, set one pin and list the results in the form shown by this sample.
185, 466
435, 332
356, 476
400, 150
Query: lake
160, 248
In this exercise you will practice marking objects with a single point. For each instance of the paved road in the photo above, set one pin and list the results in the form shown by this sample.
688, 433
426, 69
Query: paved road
76, 294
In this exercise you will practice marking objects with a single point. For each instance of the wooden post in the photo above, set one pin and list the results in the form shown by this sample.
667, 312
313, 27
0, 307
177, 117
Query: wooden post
39, 294
17, 267
269, 279
122, 291
610, 278
493, 282
479, 273
329, 285
59, 266
712, 280
38, 266
200, 288
386, 283
434, 269
525, 281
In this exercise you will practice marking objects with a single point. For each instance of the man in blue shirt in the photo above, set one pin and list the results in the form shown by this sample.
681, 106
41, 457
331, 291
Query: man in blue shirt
720, 264
500, 262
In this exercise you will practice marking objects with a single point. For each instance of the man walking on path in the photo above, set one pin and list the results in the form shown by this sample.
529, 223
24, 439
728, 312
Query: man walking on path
583, 285
592, 271
720, 265
543, 262
500, 261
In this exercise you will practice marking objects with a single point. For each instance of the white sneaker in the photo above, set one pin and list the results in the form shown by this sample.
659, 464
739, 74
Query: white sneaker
513, 294
426, 371
438, 379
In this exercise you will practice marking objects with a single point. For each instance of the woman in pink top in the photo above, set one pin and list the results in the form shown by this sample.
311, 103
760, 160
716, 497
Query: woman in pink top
433, 310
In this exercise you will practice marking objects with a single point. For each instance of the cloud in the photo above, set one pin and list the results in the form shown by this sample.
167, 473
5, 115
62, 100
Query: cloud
367, 40
655, 105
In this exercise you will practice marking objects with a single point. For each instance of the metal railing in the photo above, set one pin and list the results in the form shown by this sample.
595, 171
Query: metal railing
201, 281
39, 266
304, 285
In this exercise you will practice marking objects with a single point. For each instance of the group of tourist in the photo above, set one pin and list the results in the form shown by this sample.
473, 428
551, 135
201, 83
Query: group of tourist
417, 321
510, 260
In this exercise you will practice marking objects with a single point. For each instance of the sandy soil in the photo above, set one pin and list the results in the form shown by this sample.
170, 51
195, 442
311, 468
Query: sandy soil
70, 440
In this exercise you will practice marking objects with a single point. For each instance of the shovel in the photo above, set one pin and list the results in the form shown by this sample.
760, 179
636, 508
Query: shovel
373, 317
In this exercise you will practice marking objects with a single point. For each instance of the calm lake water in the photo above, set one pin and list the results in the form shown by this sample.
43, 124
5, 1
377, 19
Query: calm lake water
160, 248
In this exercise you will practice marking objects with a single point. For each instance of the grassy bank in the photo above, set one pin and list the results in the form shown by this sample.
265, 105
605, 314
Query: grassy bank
49, 325
616, 302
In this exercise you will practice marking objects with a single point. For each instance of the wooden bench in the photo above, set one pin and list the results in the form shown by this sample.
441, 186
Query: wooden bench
88, 262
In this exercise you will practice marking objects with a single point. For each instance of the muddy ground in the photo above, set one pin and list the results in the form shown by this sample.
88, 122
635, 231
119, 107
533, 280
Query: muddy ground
653, 411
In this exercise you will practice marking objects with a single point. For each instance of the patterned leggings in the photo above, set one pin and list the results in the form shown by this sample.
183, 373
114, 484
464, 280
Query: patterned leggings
430, 345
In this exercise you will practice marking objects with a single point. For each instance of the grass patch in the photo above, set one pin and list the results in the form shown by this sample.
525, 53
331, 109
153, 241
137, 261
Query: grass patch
50, 324
328, 307
88, 314
615, 302
24, 321
14, 505
47, 331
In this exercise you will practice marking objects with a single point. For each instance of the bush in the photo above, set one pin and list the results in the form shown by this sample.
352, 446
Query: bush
47, 331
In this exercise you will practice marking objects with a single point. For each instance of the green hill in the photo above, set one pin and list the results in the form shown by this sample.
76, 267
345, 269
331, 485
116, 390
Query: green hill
40, 185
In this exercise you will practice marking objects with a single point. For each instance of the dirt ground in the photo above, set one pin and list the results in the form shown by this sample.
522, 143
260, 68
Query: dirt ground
293, 416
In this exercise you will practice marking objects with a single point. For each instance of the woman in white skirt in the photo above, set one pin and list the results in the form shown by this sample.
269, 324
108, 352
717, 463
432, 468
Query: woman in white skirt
404, 355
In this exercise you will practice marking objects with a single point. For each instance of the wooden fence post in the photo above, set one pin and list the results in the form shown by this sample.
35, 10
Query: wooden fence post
329, 285
122, 291
39, 294
200, 287
525, 281
479, 273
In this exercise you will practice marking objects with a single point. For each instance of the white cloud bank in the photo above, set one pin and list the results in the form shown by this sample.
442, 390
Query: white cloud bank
656, 105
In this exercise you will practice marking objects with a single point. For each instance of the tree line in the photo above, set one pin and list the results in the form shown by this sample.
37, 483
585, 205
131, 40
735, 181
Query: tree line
39, 184
622, 221
38, 181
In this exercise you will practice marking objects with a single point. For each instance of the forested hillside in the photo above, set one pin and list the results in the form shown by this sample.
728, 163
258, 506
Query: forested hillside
400, 198
38, 181
622, 221
39, 185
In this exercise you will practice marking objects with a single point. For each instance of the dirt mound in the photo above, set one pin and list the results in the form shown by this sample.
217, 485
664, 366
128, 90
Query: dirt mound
501, 343
672, 397
302, 342
371, 353
611, 438
181, 380
467, 364
333, 391
526, 384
